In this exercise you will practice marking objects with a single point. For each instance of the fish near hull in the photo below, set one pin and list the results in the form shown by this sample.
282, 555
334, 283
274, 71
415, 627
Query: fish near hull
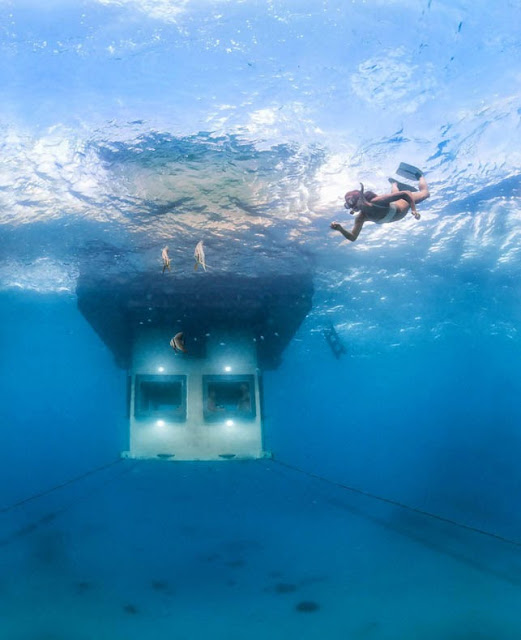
166, 259
178, 343
199, 256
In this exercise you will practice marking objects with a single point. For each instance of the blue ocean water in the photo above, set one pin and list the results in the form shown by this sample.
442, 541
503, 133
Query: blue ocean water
126, 125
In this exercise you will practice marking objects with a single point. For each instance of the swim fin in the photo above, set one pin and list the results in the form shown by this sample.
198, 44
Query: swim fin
409, 172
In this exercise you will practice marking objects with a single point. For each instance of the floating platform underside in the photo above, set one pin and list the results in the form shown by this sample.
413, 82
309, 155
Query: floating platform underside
271, 308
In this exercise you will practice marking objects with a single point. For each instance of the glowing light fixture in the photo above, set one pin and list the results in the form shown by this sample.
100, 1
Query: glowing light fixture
227, 368
229, 423
160, 423
160, 369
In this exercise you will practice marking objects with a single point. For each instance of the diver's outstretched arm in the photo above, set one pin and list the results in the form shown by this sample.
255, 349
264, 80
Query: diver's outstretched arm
355, 231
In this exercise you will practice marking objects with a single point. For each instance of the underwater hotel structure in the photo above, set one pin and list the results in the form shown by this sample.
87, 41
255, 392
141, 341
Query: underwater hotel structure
205, 403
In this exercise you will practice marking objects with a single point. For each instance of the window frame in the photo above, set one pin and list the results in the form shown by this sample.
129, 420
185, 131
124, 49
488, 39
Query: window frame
227, 414
169, 415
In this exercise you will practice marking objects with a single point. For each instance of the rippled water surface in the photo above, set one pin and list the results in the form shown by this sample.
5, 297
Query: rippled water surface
127, 125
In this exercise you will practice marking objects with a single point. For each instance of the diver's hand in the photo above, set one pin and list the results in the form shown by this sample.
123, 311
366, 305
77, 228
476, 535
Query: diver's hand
336, 226
416, 214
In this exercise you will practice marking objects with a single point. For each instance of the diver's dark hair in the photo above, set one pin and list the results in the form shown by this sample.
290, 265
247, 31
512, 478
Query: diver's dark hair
352, 198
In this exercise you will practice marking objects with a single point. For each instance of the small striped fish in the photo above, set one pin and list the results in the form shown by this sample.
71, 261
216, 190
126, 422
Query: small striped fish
178, 342
199, 256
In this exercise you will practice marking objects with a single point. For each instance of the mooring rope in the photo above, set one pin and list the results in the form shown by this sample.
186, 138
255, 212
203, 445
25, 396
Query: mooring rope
59, 486
396, 503
51, 516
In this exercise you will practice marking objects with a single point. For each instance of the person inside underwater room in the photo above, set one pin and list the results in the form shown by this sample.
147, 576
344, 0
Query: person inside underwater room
211, 403
244, 403
370, 207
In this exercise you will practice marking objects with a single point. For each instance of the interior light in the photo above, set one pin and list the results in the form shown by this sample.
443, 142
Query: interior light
227, 368
160, 369
229, 423
160, 423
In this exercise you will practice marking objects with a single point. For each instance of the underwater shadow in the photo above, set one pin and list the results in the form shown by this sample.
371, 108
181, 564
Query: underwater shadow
416, 527
427, 539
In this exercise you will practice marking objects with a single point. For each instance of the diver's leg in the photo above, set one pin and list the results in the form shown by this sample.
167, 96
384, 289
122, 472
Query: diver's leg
394, 186
423, 193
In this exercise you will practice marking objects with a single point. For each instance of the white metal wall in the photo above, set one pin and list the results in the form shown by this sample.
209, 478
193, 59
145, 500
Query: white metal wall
194, 439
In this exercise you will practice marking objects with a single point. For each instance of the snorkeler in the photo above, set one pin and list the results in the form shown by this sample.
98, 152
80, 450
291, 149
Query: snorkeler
381, 209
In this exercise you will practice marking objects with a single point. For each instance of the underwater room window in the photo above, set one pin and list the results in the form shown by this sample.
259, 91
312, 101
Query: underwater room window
228, 396
161, 397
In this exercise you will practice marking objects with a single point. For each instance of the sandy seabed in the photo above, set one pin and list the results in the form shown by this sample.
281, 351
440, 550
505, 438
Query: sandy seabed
237, 550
